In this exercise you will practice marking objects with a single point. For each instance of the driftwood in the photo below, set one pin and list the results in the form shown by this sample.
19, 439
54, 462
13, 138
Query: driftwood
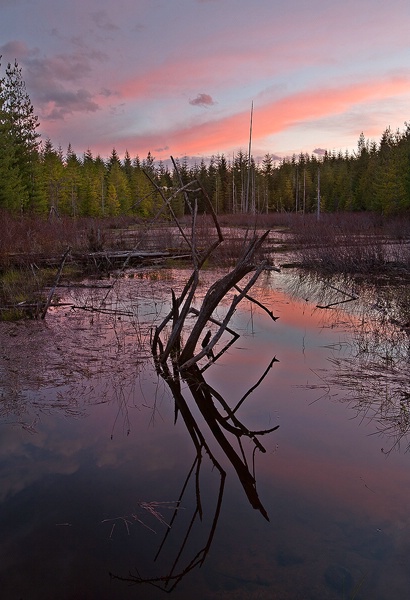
111, 259
213, 297
177, 362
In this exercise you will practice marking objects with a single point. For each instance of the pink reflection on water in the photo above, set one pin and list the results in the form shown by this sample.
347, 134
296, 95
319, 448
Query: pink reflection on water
321, 451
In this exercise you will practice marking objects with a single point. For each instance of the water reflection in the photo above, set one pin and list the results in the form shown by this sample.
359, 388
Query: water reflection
372, 368
220, 425
178, 367
337, 505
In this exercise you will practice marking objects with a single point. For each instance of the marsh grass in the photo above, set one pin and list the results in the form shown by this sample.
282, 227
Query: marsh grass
373, 373
31, 249
81, 357
338, 242
352, 243
369, 370
22, 291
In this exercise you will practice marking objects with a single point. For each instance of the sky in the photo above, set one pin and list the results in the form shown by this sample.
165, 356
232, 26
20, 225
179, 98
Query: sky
180, 77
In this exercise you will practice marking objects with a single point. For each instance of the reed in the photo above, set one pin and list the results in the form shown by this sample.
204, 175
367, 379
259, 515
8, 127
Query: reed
352, 243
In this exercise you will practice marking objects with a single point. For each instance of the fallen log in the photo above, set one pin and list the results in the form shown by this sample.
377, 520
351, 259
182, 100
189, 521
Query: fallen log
112, 259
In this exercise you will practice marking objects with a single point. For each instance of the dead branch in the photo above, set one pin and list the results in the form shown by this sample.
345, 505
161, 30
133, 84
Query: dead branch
242, 400
177, 364
350, 298
57, 279
197, 330
262, 306
218, 291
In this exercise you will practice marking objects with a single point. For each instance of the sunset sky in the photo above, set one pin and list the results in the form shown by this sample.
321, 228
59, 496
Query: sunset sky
178, 77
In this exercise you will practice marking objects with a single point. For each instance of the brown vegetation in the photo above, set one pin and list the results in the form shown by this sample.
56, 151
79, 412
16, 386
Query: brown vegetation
32, 247
349, 243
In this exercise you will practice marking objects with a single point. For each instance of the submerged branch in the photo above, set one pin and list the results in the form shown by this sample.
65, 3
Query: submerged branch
57, 279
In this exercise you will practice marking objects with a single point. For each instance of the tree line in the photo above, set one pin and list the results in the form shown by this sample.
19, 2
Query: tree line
36, 177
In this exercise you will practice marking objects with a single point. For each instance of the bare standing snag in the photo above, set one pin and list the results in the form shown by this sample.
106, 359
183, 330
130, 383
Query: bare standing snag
177, 362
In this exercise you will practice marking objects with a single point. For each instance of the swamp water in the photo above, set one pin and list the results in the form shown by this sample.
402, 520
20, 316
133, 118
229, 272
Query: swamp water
92, 465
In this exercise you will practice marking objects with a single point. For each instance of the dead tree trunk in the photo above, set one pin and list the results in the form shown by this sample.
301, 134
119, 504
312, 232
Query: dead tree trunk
218, 291
177, 364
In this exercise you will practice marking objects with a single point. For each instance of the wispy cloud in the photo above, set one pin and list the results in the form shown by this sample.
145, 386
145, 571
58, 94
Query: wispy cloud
62, 103
273, 117
102, 21
57, 82
14, 50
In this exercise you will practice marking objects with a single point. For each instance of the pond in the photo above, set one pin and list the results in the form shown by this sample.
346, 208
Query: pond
104, 494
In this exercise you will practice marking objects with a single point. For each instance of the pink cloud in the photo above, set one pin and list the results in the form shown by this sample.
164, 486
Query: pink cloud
207, 70
247, 52
270, 118
15, 50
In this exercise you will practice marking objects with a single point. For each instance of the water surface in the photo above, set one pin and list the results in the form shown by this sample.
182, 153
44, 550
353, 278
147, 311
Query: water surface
92, 463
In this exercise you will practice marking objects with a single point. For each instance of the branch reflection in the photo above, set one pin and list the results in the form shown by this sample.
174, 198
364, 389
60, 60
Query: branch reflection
224, 427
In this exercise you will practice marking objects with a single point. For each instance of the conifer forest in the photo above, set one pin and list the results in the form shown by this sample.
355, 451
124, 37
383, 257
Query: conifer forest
38, 178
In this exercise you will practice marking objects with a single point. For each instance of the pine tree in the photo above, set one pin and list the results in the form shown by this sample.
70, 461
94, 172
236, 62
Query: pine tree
53, 178
13, 196
71, 183
267, 172
22, 125
92, 193
390, 177
117, 181
12, 193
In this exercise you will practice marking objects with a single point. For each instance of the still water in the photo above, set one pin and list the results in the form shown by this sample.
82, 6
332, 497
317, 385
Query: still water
93, 466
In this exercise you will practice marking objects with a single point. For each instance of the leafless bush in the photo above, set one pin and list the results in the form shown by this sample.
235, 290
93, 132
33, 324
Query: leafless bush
352, 243
258, 220
30, 237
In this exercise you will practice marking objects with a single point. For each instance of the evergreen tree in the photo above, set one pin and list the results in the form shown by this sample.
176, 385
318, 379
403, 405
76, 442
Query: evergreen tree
267, 179
117, 181
13, 195
53, 178
142, 202
22, 124
92, 193
390, 180
239, 185
127, 166
71, 183
224, 191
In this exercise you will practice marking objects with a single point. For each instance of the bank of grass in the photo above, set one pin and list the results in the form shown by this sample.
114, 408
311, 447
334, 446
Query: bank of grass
22, 291
335, 243
30, 237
